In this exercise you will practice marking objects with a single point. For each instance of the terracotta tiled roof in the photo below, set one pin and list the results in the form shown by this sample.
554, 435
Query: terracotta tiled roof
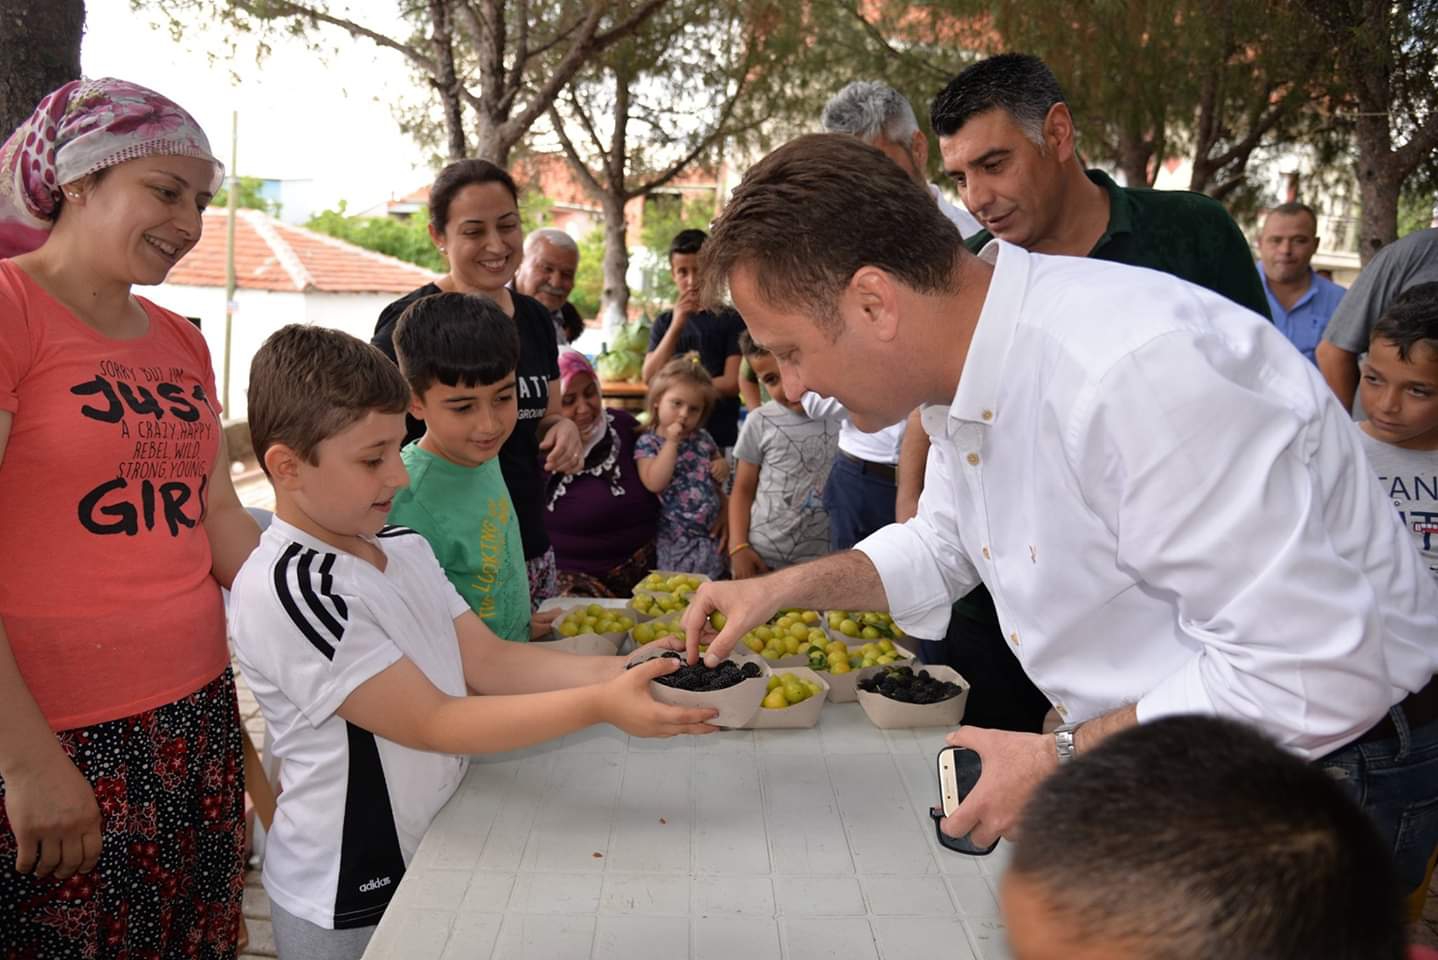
270, 255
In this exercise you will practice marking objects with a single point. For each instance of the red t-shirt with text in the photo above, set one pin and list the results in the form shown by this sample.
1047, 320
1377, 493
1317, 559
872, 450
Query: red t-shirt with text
106, 594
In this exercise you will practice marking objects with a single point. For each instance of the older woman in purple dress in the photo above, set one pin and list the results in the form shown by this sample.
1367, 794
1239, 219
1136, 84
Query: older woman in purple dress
600, 520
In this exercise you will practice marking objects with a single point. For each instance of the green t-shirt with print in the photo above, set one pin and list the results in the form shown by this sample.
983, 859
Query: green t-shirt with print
466, 515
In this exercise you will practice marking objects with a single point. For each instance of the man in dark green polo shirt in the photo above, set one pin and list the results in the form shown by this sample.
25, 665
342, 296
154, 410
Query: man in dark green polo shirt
1008, 143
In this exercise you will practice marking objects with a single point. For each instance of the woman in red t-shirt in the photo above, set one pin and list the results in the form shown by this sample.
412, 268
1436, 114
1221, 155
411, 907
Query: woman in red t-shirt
121, 795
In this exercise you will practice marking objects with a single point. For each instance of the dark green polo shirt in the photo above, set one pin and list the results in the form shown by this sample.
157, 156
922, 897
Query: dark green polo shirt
1187, 234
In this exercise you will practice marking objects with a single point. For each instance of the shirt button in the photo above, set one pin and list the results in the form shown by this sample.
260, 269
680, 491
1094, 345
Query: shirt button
986, 553
1014, 638
973, 459
987, 414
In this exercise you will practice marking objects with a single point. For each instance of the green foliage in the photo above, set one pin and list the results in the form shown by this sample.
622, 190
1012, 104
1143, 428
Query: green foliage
405, 239
1415, 207
589, 279
247, 196
665, 214
409, 240
534, 210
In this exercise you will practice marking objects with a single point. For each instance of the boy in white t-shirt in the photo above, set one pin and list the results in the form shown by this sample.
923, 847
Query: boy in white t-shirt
362, 656
1399, 389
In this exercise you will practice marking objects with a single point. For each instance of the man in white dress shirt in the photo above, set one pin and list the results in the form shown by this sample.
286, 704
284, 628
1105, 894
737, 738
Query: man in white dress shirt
1172, 512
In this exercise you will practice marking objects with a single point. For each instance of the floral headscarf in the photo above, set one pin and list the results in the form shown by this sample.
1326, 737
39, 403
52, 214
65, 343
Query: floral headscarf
85, 126
572, 363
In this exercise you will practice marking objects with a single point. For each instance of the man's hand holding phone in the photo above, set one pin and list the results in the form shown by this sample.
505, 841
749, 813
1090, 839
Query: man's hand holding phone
1010, 765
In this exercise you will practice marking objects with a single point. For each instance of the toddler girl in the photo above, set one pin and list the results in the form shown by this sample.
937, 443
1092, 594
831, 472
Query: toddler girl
680, 463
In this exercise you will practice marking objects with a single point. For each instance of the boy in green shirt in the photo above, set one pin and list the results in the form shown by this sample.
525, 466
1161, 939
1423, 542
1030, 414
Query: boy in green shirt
459, 353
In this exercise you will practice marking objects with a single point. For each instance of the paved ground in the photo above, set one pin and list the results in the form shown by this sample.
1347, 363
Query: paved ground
255, 491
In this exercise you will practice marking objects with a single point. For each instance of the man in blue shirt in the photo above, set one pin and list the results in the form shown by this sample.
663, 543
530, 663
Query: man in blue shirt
1300, 300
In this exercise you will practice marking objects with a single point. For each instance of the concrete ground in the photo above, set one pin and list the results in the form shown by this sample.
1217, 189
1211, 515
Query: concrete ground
254, 491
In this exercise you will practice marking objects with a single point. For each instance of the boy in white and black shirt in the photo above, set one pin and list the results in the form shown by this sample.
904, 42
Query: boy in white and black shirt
362, 655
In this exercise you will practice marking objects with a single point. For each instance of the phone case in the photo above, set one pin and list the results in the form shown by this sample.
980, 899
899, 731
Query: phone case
957, 844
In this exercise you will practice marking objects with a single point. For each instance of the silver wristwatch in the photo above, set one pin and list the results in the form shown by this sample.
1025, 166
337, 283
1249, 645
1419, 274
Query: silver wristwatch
1064, 742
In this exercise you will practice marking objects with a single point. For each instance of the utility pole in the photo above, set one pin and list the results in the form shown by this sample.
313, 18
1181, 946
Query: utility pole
233, 196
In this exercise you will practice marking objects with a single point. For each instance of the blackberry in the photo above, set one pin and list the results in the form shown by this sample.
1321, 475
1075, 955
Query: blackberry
699, 678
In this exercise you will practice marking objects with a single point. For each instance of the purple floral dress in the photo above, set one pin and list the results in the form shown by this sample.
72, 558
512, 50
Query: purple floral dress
688, 507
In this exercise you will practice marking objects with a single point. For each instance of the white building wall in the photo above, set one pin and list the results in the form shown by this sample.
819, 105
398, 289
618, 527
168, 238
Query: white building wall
261, 313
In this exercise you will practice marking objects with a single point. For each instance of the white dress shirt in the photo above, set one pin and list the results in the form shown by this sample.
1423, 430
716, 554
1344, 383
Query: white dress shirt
960, 217
879, 447
1169, 507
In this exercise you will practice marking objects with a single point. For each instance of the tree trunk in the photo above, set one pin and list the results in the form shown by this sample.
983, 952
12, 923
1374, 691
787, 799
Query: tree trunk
614, 302
40, 48
1133, 155
1378, 188
447, 82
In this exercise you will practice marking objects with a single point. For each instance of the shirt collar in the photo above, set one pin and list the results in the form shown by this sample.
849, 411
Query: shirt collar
976, 399
1120, 208
1308, 294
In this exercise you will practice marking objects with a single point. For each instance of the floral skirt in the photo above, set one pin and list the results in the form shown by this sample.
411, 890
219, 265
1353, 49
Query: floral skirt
170, 786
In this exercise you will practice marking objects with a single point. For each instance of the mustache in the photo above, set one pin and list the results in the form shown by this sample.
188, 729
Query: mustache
553, 291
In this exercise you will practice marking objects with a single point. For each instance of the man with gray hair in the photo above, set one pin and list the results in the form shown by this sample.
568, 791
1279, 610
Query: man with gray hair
551, 259
881, 116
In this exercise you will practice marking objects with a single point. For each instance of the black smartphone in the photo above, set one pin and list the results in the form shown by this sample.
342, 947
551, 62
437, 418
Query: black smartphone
959, 770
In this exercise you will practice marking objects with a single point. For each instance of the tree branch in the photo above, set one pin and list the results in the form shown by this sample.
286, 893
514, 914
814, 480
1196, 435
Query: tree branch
595, 188
280, 9
889, 48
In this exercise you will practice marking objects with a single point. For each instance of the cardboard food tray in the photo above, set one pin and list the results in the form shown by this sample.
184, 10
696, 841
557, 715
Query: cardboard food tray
892, 714
736, 704
844, 687
804, 714
617, 637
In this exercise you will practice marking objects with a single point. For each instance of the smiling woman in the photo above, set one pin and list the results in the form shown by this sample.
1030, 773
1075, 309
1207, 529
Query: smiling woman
120, 746
474, 222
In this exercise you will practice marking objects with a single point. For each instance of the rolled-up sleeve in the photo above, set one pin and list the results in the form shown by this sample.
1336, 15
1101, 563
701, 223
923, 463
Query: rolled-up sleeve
922, 563
1227, 499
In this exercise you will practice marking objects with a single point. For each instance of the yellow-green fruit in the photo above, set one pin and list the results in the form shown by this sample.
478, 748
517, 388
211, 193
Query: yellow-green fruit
842, 666
775, 699
775, 681
643, 634
568, 630
848, 628
791, 645
753, 642
810, 616
717, 620
886, 645
798, 631
869, 633
769, 653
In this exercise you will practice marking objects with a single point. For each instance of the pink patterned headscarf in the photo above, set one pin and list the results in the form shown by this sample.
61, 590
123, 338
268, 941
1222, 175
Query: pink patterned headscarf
571, 364
85, 126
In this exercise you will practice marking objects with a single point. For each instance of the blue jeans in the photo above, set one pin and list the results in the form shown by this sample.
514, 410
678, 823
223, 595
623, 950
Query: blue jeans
858, 503
1396, 782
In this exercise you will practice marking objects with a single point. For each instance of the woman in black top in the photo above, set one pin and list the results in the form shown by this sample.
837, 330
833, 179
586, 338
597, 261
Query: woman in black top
474, 221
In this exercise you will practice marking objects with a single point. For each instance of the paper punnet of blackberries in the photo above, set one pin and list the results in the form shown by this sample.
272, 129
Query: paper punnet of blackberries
699, 678
906, 686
